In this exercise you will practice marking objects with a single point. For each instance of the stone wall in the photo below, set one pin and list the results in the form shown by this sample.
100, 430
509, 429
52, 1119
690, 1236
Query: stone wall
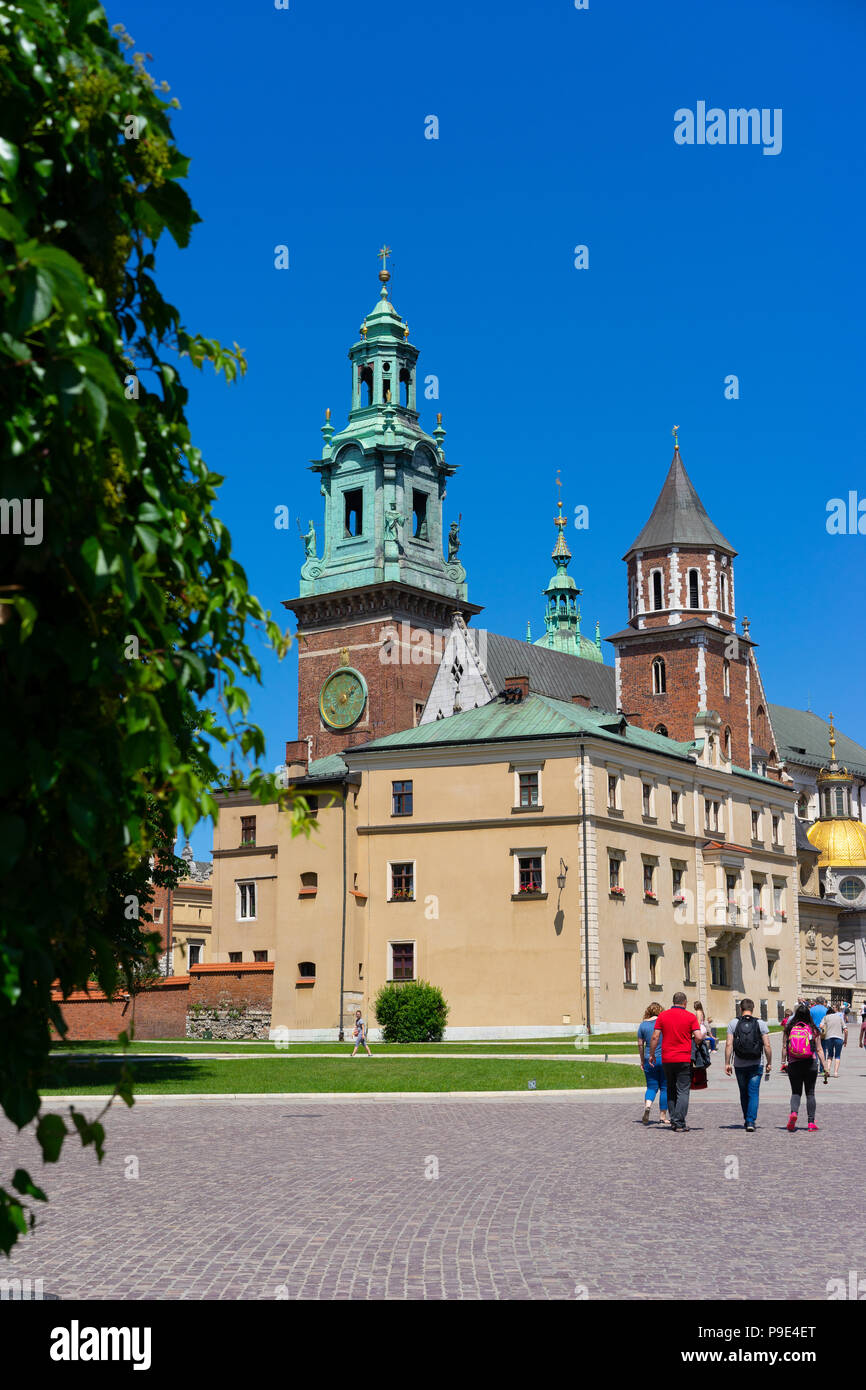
230, 1001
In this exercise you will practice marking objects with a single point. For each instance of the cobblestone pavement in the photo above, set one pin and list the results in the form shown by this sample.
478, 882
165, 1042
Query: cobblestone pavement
535, 1198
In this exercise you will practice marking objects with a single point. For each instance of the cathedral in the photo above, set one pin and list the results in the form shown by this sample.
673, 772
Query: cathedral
552, 840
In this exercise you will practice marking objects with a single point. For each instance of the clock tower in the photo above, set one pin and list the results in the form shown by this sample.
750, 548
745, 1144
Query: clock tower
378, 597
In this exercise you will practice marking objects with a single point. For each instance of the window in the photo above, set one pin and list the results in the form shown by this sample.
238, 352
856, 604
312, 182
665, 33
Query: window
419, 712
850, 888
401, 798
723, 592
528, 788
529, 873
841, 802
728, 743
309, 884
776, 826
757, 892
402, 882
402, 960
778, 900
354, 512
731, 886
628, 964
688, 964
675, 807
614, 867
419, 515
246, 902
248, 830
772, 970
726, 678
719, 972
195, 949
365, 381
803, 806
260, 955
235, 957
756, 825
658, 597
677, 875
712, 814
405, 385
612, 785
646, 799
661, 729
659, 677
306, 969
694, 590
157, 914
649, 881
654, 958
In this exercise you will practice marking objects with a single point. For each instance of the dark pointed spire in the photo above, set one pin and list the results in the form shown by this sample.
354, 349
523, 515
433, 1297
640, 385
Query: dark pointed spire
678, 517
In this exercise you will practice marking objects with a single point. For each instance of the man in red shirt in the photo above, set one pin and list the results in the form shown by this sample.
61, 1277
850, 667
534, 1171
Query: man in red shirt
676, 1027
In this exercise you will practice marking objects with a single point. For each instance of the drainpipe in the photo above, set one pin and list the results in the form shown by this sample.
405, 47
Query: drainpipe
585, 887
343, 941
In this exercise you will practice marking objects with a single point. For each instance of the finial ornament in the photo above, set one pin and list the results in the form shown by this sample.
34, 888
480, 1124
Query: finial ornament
363, 330
384, 273
439, 417
675, 433
328, 414
832, 740
405, 330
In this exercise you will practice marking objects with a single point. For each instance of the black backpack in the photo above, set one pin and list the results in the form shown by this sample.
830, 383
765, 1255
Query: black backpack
748, 1045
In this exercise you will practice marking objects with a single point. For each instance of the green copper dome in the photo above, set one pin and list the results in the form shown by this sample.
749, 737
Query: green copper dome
562, 611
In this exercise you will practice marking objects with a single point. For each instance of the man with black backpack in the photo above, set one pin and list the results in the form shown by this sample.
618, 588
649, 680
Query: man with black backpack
748, 1038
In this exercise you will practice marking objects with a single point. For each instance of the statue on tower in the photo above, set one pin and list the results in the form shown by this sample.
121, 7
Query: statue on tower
454, 539
309, 539
394, 519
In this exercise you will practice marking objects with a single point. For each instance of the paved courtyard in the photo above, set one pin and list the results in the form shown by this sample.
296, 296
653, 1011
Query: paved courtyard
549, 1198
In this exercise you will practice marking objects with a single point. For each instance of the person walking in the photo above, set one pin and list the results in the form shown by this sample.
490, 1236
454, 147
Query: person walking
676, 1027
748, 1037
817, 1012
834, 1031
801, 1044
359, 1033
863, 1026
656, 1082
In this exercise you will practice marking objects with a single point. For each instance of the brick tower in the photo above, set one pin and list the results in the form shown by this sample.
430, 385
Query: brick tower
681, 655
373, 605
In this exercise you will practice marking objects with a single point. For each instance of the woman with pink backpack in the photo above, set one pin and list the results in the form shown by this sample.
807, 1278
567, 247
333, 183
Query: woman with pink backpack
802, 1051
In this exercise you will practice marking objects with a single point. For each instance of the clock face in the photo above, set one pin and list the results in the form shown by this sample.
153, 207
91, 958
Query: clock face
342, 698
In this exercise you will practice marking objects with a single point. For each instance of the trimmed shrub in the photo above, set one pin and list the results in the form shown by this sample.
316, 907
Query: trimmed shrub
412, 1012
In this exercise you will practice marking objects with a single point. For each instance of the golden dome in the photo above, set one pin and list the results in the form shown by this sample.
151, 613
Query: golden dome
840, 843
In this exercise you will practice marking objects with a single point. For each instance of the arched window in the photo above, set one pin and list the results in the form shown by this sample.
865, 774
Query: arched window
802, 806
661, 729
405, 382
658, 598
728, 742
309, 884
366, 386
306, 970
726, 678
841, 799
659, 677
723, 592
694, 590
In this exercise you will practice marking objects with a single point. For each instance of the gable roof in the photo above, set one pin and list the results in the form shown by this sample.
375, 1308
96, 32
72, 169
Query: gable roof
557, 674
538, 716
679, 517
804, 739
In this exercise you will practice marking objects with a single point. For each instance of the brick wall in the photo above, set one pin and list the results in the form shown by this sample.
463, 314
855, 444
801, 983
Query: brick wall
244, 986
158, 1013
393, 687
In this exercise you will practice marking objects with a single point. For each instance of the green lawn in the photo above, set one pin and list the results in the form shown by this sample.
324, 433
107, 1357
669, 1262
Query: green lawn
269, 1049
260, 1075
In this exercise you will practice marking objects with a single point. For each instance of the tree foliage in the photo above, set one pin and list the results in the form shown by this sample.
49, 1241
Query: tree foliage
412, 1012
123, 614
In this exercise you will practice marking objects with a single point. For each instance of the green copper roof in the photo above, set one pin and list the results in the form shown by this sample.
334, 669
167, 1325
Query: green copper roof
678, 517
537, 716
562, 610
804, 739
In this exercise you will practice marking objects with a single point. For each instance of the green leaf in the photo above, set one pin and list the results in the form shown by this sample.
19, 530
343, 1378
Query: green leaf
50, 1134
23, 1183
33, 299
10, 227
172, 206
8, 159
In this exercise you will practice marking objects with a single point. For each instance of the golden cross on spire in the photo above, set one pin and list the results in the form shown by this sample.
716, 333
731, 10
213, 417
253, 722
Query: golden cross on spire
384, 273
675, 432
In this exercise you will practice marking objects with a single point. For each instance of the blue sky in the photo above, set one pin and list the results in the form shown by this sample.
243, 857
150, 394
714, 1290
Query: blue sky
556, 129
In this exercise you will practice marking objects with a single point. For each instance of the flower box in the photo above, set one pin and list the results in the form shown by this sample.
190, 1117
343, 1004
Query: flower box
650, 897
680, 898
617, 892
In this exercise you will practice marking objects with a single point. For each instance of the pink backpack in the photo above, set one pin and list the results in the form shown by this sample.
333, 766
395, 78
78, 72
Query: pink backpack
800, 1041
